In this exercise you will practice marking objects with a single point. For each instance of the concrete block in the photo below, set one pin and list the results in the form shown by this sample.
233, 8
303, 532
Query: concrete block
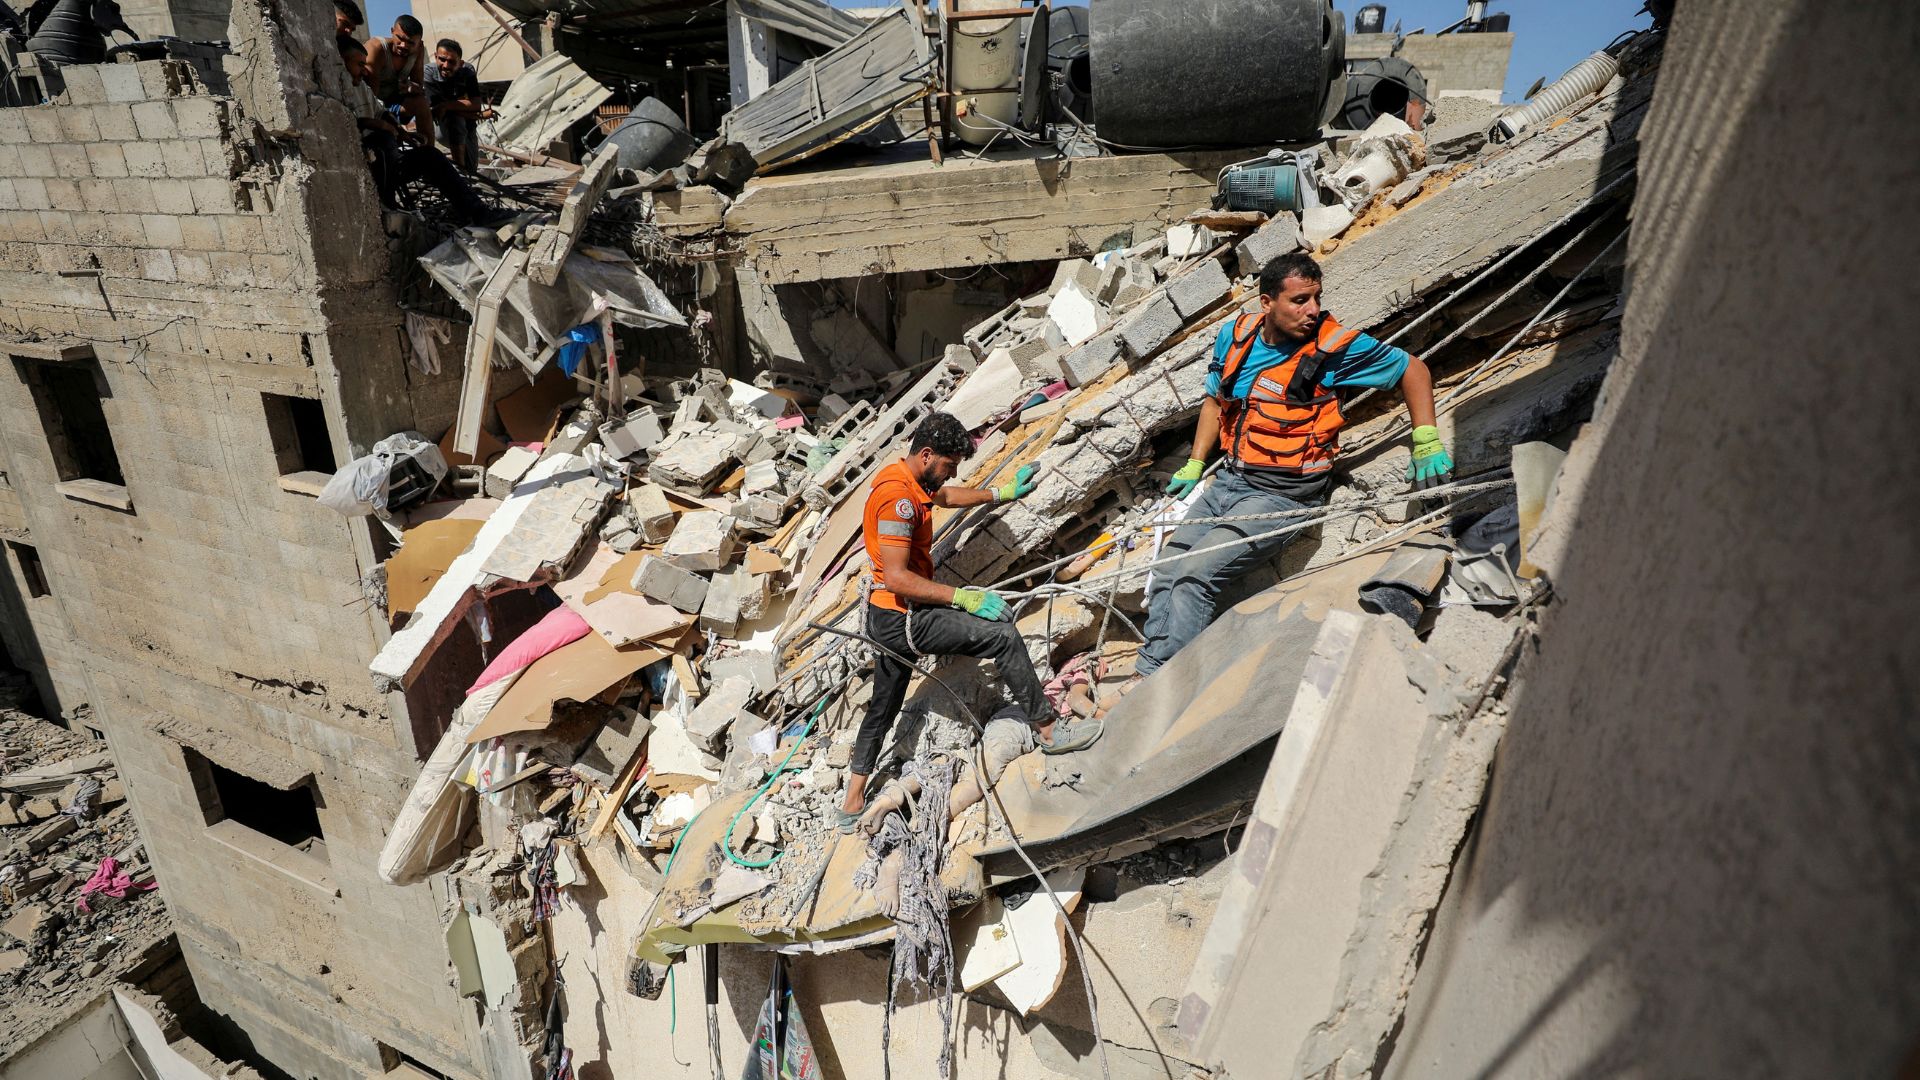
652, 515
1034, 360
659, 579
199, 118
116, 122
1199, 289
507, 470
702, 541
1150, 326
77, 125
1065, 273
761, 476
154, 121
105, 161
638, 431
1279, 236
83, 85
1093, 359
726, 701
721, 612
122, 83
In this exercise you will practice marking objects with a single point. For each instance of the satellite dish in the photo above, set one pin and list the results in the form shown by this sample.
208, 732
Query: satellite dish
1534, 89
1035, 88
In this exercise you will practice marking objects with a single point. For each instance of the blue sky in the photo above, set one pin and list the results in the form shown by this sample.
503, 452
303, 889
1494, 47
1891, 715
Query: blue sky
1550, 36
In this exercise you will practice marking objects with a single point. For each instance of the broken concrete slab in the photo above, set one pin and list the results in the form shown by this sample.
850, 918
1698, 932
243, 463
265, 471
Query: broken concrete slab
1319, 224
660, 579
703, 541
550, 251
1345, 856
694, 463
1187, 241
720, 610
1093, 359
548, 533
1077, 314
725, 703
629, 436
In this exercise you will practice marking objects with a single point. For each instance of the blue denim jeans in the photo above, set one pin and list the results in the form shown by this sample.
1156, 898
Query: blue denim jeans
1181, 603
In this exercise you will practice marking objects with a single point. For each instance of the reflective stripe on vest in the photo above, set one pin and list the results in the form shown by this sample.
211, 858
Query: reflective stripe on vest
1288, 421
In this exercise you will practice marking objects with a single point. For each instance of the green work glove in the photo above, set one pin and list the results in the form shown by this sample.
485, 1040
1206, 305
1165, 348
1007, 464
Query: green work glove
1431, 465
1022, 484
1186, 479
982, 602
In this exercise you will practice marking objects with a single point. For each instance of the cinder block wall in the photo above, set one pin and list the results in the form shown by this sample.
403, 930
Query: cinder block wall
213, 244
1452, 63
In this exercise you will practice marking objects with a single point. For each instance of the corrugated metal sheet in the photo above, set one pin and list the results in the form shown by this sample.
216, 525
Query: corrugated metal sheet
880, 68
809, 19
543, 102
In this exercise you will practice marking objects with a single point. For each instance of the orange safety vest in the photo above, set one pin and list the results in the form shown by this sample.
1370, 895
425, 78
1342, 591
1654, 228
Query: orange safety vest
1288, 421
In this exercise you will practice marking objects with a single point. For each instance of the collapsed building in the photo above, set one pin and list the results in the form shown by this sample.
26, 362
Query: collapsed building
472, 613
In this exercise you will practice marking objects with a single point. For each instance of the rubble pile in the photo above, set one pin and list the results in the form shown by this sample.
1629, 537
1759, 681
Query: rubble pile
77, 904
641, 601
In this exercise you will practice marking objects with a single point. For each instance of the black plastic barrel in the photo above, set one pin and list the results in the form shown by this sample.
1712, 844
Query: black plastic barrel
1379, 85
1067, 52
68, 35
1213, 72
651, 138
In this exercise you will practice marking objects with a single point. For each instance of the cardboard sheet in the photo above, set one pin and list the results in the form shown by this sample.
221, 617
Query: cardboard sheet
528, 412
425, 553
488, 449
579, 671
599, 591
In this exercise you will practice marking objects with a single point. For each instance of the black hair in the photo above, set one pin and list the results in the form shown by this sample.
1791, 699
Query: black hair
410, 24
943, 434
453, 47
348, 46
1293, 264
351, 10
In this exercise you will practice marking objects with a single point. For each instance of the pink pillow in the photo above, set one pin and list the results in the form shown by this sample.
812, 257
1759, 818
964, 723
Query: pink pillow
561, 626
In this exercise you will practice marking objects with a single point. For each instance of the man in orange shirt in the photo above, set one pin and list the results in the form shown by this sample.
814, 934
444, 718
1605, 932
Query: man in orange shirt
914, 615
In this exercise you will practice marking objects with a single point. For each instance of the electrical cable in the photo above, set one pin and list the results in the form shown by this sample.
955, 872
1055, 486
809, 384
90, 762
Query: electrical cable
726, 843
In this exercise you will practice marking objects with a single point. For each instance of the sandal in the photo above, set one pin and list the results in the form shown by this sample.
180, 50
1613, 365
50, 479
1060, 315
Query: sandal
847, 822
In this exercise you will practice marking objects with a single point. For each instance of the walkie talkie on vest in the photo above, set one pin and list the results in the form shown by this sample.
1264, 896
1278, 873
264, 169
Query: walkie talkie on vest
1306, 374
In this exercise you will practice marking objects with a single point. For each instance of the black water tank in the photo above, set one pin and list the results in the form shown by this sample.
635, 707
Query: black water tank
1371, 19
1213, 72
1067, 57
651, 138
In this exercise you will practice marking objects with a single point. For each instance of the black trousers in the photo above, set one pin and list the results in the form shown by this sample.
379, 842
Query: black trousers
395, 165
940, 632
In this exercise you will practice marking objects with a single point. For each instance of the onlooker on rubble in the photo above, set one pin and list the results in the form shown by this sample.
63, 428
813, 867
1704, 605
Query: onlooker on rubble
396, 69
1271, 406
397, 159
453, 95
914, 615
346, 17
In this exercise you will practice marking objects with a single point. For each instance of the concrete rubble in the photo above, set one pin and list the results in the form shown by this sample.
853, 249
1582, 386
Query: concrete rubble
614, 676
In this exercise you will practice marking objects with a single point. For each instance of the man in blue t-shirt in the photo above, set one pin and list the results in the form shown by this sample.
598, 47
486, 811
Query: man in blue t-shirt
1271, 405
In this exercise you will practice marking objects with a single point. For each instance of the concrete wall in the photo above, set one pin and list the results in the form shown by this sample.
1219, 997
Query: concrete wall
1699, 854
498, 57
94, 1044
1471, 64
212, 244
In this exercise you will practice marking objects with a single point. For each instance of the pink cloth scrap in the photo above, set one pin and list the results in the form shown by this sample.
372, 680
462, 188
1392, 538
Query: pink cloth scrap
109, 881
561, 626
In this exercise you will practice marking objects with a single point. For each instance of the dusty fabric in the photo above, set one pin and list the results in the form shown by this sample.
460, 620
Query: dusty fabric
107, 880
923, 946
426, 334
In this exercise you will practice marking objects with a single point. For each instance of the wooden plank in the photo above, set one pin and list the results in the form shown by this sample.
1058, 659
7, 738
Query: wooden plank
476, 382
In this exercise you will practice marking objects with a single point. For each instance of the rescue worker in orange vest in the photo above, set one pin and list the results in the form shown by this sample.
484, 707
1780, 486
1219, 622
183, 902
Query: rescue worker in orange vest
914, 615
1271, 406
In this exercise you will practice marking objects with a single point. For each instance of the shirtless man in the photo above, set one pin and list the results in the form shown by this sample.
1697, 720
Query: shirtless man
396, 69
